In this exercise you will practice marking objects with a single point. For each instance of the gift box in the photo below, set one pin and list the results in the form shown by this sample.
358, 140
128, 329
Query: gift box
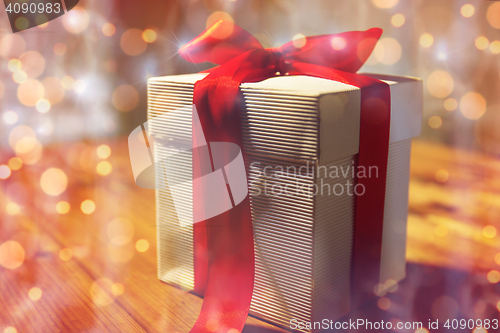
301, 141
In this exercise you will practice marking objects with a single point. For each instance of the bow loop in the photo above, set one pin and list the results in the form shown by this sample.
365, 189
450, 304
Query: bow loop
219, 44
346, 51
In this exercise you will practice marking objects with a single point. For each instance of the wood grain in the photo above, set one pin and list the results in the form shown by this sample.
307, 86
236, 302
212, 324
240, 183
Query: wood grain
445, 229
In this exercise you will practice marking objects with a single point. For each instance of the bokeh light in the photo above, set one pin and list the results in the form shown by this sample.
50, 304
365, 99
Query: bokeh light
495, 47
467, 10
35, 294
60, 49
384, 303
76, 20
30, 92
489, 231
450, 104
385, 3
10, 117
299, 40
67, 82
12, 208
435, 122
63, 207
43, 106
120, 231
493, 276
442, 176
66, 254
125, 98
87, 207
388, 51
398, 20
441, 230
19, 133
10, 329
4, 172
21, 23
108, 29
440, 84
224, 30
103, 151
117, 289
15, 163
426, 40
338, 43
493, 15
54, 181
104, 168
472, 105
42, 21
149, 35
11, 254
132, 43
482, 43
142, 245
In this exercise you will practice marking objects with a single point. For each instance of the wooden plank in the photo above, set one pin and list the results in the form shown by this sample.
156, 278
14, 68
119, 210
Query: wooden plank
156, 306
447, 217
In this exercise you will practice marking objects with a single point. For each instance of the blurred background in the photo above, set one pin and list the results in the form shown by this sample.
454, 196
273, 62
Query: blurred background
72, 89
84, 75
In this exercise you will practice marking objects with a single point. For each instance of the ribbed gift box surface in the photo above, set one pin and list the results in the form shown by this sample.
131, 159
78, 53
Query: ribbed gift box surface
303, 240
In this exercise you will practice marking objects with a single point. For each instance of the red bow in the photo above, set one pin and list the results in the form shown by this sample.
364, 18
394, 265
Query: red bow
223, 245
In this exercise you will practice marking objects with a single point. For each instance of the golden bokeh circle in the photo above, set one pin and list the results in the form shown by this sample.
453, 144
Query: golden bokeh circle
398, 20
450, 104
385, 3
63, 207
142, 245
132, 43
472, 105
54, 181
104, 168
35, 294
66, 254
103, 151
467, 10
30, 92
482, 43
435, 122
87, 207
149, 36
440, 84
11, 254
426, 40
108, 29
388, 51
493, 15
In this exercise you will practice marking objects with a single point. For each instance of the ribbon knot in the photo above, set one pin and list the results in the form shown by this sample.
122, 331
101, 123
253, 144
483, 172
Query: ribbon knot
223, 245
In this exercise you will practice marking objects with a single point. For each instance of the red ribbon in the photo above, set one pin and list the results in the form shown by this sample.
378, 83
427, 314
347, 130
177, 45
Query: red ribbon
223, 245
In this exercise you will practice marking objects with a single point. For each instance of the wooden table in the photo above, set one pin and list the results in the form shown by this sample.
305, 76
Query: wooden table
80, 261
